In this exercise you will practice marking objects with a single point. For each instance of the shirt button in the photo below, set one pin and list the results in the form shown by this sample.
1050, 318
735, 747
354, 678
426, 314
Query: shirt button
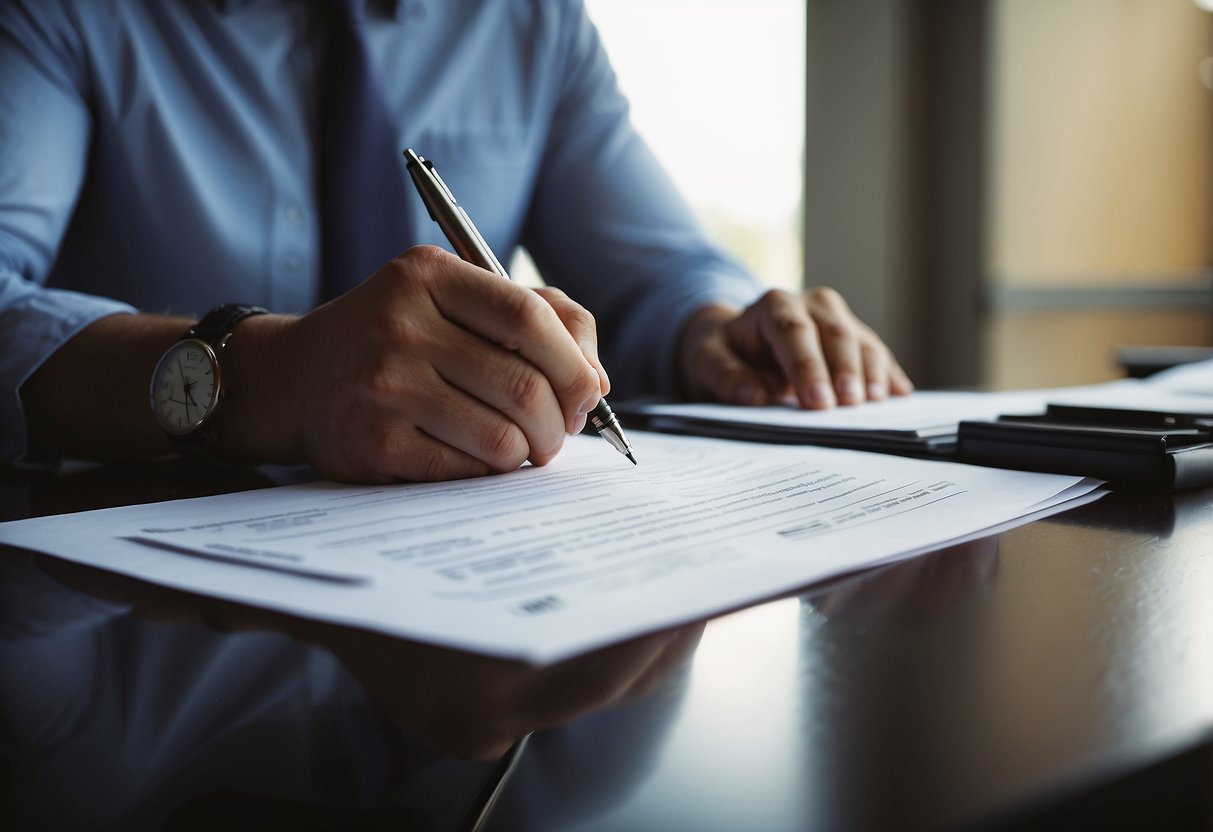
293, 213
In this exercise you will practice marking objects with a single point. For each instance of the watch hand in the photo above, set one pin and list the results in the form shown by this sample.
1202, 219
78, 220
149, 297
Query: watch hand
189, 394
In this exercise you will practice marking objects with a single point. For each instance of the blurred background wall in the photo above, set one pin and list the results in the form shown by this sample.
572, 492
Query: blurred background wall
1098, 161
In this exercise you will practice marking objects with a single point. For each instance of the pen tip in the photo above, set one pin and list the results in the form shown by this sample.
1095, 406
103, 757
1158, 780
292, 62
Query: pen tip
632, 458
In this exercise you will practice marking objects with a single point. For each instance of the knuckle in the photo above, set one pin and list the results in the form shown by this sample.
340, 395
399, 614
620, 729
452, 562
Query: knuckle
415, 269
835, 330
378, 380
579, 387
397, 332
578, 319
874, 352
585, 384
771, 298
525, 386
421, 259
503, 447
545, 446
825, 297
789, 324
554, 295
524, 310
436, 466
381, 377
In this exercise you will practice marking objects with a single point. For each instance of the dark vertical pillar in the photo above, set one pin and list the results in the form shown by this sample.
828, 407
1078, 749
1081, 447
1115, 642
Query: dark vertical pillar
894, 166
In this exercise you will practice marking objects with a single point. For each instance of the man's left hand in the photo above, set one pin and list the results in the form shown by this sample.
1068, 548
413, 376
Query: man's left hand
806, 348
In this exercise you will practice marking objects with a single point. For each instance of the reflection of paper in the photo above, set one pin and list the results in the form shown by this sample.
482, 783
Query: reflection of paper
545, 562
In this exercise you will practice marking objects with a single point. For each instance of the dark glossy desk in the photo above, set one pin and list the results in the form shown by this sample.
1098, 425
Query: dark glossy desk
1059, 676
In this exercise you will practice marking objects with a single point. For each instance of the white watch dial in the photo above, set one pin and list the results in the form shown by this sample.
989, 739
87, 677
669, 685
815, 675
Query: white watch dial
185, 386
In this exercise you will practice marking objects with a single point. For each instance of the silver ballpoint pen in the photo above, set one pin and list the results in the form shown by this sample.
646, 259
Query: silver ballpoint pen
468, 244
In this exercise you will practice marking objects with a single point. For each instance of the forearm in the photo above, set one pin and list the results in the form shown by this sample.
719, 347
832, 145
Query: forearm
89, 399
699, 327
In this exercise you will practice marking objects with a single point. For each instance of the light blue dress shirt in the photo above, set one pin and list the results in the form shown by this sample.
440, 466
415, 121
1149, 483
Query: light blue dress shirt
157, 156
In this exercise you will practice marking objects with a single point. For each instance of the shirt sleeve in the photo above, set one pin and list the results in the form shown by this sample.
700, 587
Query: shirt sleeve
607, 225
44, 138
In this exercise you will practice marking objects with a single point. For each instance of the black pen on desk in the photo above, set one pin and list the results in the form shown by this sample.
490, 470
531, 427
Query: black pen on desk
465, 238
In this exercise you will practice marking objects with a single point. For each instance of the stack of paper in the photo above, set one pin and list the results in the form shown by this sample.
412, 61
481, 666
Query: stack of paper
924, 423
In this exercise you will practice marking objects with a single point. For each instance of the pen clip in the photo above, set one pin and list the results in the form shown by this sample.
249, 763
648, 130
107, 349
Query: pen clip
429, 166
446, 211
425, 177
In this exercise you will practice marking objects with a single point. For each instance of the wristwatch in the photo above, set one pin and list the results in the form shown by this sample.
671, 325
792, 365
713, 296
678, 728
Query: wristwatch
187, 385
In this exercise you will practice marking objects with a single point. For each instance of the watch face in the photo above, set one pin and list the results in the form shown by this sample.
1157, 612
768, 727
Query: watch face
185, 386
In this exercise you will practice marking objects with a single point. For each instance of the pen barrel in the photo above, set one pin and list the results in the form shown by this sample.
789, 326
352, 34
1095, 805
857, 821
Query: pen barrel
469, 244
607, 424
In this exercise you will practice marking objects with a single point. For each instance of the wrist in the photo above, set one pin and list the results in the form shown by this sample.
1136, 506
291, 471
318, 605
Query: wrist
700, 326
255, 422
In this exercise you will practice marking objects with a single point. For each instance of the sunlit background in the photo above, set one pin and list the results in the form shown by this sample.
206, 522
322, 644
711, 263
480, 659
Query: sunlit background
1007, 190
717, 90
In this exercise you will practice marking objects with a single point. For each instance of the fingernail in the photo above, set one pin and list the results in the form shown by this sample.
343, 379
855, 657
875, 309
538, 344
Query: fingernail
578, 423
850, 391
822, 395
877, 392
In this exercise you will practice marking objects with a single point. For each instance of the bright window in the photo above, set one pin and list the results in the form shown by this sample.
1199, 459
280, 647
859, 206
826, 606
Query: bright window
717, 89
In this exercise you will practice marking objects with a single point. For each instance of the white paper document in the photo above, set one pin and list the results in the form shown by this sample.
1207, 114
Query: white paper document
543, 563
1171, 394
924, 412
933, 412
925, 423
1195, 378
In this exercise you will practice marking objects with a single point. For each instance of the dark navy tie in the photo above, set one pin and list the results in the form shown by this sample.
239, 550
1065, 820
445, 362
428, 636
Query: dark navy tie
360, 175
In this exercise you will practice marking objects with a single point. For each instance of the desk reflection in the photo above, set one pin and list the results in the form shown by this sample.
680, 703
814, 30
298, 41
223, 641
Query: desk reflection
1059, 675
129, 706
909, 593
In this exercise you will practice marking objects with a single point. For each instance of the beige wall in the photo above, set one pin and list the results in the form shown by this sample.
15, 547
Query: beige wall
1099, 176
1053, 348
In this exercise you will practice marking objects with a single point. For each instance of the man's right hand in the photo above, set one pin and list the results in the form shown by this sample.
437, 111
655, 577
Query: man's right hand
431, 369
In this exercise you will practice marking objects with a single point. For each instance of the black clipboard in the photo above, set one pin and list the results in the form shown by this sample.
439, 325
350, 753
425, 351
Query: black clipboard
1137, 450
